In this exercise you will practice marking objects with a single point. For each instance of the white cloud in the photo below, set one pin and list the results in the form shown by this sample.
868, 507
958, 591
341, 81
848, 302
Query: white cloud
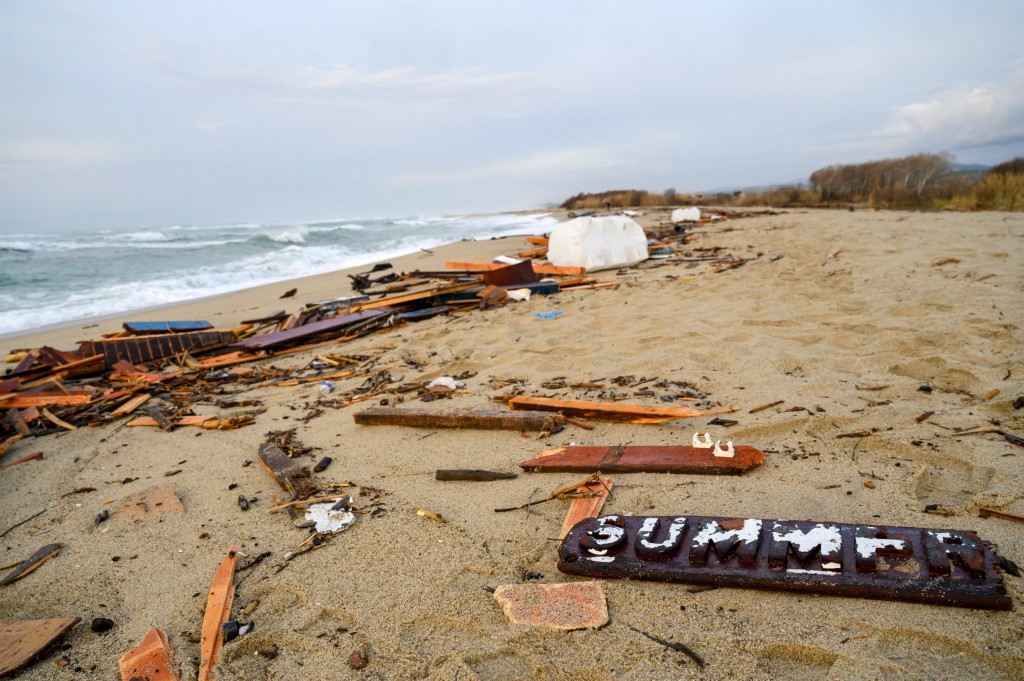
980, 115
210, 127
51, 151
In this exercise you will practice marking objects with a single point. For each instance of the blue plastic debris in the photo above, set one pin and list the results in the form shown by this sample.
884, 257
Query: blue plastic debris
549, 315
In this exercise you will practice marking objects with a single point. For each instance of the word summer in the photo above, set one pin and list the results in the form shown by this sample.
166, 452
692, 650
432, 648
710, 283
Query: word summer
946, 567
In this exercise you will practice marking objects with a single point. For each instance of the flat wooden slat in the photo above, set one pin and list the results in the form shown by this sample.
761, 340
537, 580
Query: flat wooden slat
22, 640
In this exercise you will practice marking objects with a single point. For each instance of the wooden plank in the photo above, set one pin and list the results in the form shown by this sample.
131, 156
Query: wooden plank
288, 474
332, 324
130, 406
457, 418
537, 240
166, 327
541, 252
645, 459
417, 296
31, 563
22, 640
511, 275
539, 269
151, 660
56, 421
587, 506
43, 399
218, 611
190, 420
611, 411
138, 349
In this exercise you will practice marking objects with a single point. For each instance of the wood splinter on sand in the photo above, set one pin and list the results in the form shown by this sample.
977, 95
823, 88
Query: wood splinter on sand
152, 659
641, 459
218, 611
22, 640
611, 411
482, 419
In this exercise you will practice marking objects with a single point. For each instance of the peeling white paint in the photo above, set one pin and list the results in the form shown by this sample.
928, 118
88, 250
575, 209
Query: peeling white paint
825, 536
672, 539
713, 532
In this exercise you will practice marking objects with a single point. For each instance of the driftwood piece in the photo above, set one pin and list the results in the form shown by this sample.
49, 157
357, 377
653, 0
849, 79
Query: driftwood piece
161, 419
584, 507
985, 512
288, 474
471, 474
218, 611
30, 457
645, 459
43, 399
482, 419
31, 563
9, 442
131, 405
152, 659
22, 640
611, 411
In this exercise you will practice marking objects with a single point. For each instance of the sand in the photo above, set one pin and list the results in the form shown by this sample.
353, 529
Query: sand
857, 299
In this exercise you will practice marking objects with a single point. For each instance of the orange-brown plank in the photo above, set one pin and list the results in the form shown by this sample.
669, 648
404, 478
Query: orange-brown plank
586, 507
22, 640
152, 659
611, 411
218, 611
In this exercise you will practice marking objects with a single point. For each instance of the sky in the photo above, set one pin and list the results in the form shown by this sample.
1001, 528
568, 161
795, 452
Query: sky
138, 113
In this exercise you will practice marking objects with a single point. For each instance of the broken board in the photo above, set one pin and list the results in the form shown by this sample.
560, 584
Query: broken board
151, 660
611, 411
22, 640
485, 419
288, 474
166, 327
218, 611
942, 567
139, 349
641, 459
307, 331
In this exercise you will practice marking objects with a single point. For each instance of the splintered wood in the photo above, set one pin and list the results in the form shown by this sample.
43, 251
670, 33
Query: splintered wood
218, 611
22, 640
589, 506
288, 474
151, 659
611, 411
482, 419
645, 459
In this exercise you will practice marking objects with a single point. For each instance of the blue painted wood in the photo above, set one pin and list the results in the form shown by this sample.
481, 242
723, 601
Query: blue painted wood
167, 327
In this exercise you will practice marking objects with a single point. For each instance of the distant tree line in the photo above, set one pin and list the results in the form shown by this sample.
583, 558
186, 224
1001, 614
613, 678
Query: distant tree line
916, 181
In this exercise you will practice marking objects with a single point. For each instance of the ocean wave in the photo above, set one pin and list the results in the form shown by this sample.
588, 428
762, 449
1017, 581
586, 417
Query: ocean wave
326, 228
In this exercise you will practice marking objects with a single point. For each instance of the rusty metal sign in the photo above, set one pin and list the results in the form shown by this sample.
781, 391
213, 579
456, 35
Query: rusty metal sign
944, 567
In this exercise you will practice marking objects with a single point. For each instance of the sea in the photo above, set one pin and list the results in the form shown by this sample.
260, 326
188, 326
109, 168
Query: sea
58, 278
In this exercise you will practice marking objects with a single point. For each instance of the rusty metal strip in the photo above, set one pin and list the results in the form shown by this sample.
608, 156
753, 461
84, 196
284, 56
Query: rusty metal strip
942, 567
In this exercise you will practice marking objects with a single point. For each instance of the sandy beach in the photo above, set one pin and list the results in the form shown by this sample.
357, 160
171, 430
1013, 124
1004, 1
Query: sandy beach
849, 321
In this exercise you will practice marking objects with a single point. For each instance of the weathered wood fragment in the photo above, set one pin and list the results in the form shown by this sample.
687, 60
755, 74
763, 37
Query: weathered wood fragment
139, 349
30, 457
471, 474
9, 442
509, 275
649, 459
313, 329
166, 327
161, 419
539, 269
44, 399
131, 405
481, 419
287, 473
22, 640
31, 563
611, 411
985, 512
218, 611
152, 659
584, 507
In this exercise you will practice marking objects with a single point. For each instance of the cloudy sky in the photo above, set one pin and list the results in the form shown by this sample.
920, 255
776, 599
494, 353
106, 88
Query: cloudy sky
137, 113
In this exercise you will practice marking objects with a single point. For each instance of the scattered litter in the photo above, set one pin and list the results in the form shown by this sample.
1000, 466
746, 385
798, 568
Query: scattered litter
433, 516
519, 294
330, 519
548, 315
446, 382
